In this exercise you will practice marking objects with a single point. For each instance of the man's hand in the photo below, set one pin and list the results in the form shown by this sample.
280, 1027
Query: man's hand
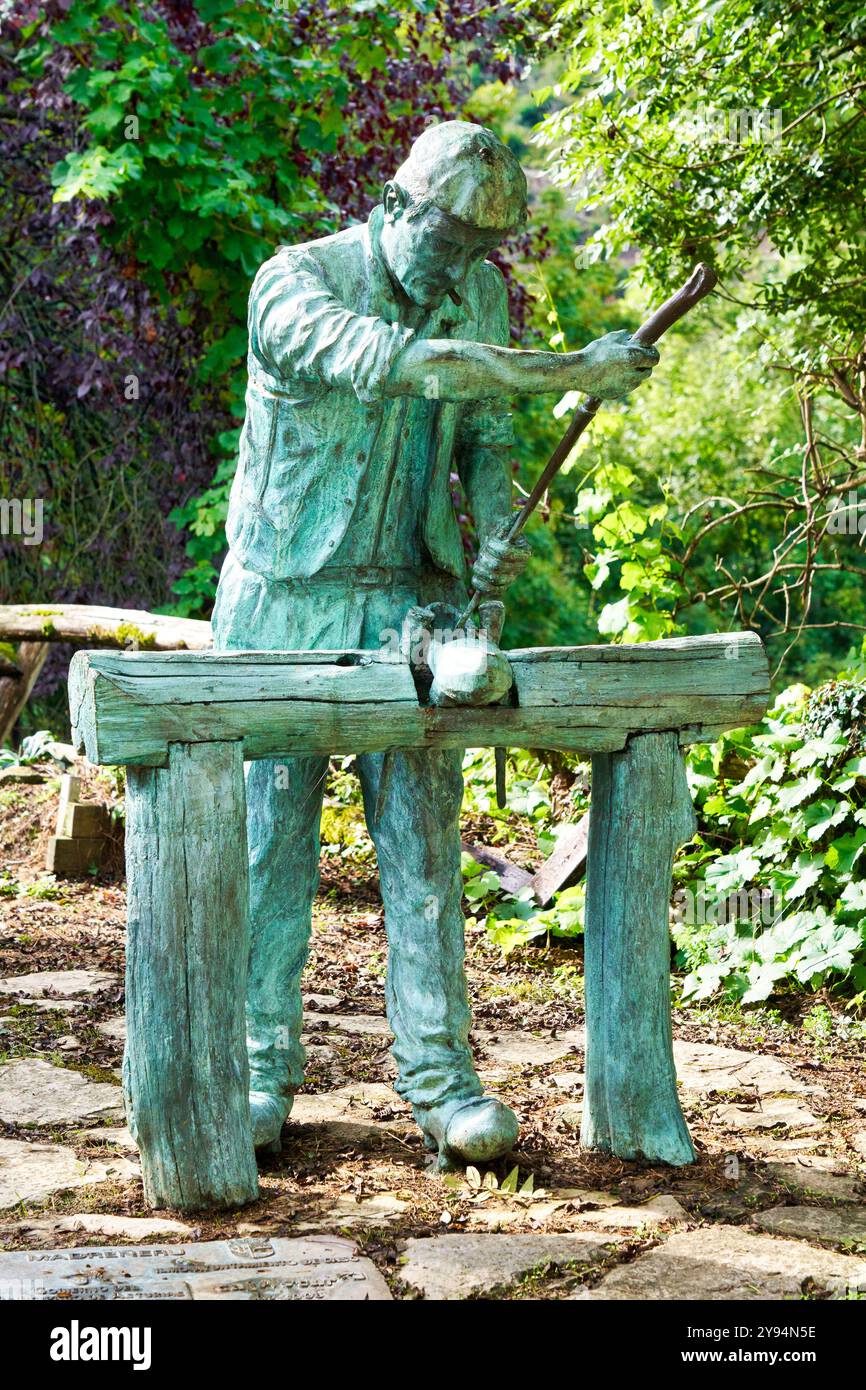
614, 365
499, 561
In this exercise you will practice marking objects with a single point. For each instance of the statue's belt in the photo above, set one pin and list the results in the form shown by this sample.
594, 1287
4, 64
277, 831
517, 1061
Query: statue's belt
370, 577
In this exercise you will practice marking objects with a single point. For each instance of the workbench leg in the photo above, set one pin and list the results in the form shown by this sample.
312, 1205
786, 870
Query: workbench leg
640, 813
185, 1069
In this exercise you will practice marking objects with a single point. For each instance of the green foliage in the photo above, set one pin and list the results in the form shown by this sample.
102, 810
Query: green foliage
673, 122
514, 920
772, 891
45, 888
635, 537
188, 141
33, 749
343, 833
571, 303
528, 792
770, 895
517, 921
737, 135
211, 143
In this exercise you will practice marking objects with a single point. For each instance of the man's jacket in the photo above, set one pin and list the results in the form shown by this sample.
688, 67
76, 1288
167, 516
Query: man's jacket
324, 331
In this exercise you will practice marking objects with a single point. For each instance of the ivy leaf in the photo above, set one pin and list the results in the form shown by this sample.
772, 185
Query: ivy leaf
481, 886
822, 815
704, 982
833, 950
854, 896
733, 870
104, 118
762, 978
808, 872
794, 793
598, 571
842, 853
95, 173
614, 618
815, 750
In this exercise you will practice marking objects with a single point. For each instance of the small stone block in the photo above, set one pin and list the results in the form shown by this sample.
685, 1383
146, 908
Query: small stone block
70, 857
87, 820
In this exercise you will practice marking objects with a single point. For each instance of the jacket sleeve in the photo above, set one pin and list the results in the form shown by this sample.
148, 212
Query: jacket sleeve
299, 328
485, 435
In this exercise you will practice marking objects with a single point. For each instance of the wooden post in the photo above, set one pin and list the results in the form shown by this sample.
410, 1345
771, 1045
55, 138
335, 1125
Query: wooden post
15, 690
640, 812
185, 1070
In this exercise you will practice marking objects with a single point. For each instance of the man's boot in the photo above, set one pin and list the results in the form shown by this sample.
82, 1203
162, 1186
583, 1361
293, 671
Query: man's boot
268, 1114
474, 1130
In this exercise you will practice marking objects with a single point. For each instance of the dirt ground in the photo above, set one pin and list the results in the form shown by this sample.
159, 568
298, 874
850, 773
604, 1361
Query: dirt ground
328, 1175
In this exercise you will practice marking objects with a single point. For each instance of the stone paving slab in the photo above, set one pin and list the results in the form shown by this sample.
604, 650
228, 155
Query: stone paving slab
44, 1228
658, 1211
353, 1113
812, 1173
510, 1048
320, 1001
35, 1092
35, 1172
703, 1068
358, 1024
247, 1268
379, 1209
569, 1116
114, 1029
457, 1266
767, 1144
114, 1136
773, 1112
723, 1263
828, 1225
67, 984
569, 1080
353, 1024
495, 1210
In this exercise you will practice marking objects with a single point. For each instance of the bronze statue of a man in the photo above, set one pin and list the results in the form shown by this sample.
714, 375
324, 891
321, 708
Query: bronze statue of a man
377, 365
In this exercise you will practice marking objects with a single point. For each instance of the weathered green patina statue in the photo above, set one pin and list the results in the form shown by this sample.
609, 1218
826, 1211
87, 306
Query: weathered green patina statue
377, 365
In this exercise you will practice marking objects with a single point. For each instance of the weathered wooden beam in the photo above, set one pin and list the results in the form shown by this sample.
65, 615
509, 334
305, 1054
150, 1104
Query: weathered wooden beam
129, 707
640, 812
15, 690
98, 626
185, 1072
511, 876
566, 862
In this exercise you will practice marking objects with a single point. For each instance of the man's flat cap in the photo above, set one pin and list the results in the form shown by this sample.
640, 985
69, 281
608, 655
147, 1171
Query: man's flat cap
466, 171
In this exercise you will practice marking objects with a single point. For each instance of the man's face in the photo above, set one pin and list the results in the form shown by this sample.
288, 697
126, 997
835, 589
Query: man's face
430, 252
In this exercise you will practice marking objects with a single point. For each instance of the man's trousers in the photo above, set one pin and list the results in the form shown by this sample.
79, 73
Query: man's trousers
416, 837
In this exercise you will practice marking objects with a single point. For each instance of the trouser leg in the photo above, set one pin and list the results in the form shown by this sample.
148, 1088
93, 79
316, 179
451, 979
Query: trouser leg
417, 841
284, 805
